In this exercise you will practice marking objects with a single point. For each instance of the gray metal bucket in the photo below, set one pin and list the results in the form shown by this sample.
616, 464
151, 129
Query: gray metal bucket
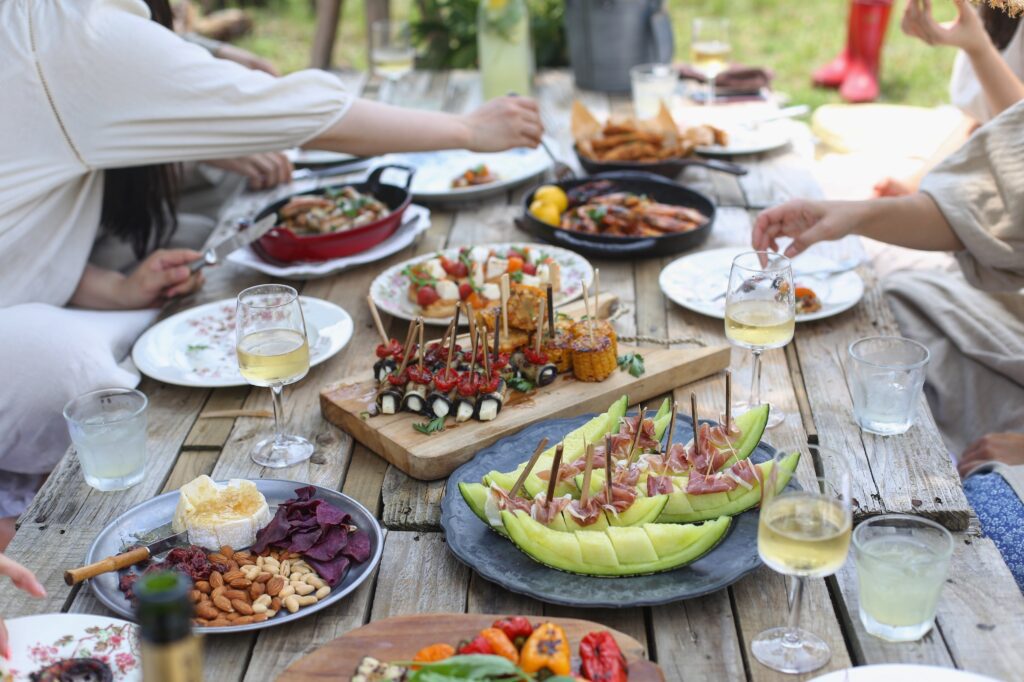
609, 37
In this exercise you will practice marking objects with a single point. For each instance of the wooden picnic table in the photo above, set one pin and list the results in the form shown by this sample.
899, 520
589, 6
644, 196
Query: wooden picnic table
980, 623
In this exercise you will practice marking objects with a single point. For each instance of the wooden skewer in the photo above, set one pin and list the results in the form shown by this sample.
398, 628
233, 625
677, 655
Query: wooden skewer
693, 418
472, 348
497, 338
728, 401
504, 304
421, 344
587, 470
556, 464
586, 300
636, 436
540, 329
409, 336
529, 467
608, 469
485, 353
671, 426
551, 313
597, 292
375, 314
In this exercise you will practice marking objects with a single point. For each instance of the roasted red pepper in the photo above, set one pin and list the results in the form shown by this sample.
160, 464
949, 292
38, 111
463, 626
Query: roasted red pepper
445, 379
392, 350
535, 357
420, 375
479, 645
396, 379
499, 362
491, 385
602, 660
517, 628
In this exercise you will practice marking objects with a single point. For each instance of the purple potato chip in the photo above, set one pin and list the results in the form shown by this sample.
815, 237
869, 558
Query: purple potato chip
331, 543
358, 547
277, 530
301, 541
331, 571
328, 514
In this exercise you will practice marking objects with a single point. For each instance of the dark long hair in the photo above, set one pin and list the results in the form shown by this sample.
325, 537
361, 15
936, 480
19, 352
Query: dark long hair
139, 203
999, 25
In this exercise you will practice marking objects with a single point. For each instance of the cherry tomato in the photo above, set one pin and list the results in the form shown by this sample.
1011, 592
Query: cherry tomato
465, 289
529, 268
455, 268
427, 295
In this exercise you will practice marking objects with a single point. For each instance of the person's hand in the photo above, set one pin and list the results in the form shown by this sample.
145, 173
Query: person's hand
1007, 448
163, 275
25, 581
892, 187
965, 32
504, 123
246, 59
263, 171
806, 222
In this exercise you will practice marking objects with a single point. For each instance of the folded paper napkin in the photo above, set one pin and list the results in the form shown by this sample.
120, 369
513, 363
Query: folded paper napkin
735, 80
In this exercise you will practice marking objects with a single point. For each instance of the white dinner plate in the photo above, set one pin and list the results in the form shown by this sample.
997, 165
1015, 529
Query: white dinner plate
390, 290
766, 137
196, 347
302, 270
436, 170
698, 282
318, 157
39, 641
901, 673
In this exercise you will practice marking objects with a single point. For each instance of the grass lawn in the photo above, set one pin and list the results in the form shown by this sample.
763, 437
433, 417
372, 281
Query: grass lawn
791, 36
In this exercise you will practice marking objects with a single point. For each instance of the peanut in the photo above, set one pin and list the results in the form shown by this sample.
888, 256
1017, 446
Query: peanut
264, 599
271, 613
314, 580
207, 611
259, 608
235, 594
291, 603
240, 583
286, 567
250, 572
323, 591
274, 585
223, 603
295, 577
306, 600
286, 591
203, 586
242, 606
259, 561
302, 589
216, 579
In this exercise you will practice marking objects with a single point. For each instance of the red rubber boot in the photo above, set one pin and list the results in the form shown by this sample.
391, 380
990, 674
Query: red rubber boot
832, 74
868, 21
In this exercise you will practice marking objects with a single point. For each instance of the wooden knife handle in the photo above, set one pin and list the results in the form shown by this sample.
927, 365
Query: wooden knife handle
111, 563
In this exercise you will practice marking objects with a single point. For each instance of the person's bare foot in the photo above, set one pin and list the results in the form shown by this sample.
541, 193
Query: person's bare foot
1007, 448
6, 531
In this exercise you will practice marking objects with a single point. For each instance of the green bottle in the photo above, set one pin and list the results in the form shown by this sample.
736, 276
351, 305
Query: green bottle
170, 652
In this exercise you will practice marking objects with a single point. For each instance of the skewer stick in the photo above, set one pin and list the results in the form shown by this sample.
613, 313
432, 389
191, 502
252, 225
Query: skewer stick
728, 401
497, 338
586, 299
451, 347
540, 329
671, 426
551, 313
529, 467
421, 345
409, 336
485, 353
693, 418
636, 436
375, 314
556, 464
472, 348
587, 470
608, 469
504, 304
597, 292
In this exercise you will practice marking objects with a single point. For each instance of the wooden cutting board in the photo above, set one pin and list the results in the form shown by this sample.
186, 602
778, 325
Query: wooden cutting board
398, 639
428, 457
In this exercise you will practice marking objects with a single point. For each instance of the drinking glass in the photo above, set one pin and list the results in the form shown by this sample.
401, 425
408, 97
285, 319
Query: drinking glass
391, 52
804, 534
108, 430
710, 49
902, 563
652, 85
760, 313
886, 376
272, 349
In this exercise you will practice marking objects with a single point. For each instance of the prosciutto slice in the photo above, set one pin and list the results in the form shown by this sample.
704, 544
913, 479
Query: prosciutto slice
675, 461
626, 475
585, 515
659, 485
647, 440
699, 484
542, 512
566, 471
506, 503
622, 498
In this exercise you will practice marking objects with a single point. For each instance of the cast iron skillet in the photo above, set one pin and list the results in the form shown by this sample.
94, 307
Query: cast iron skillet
670, 168
616, 247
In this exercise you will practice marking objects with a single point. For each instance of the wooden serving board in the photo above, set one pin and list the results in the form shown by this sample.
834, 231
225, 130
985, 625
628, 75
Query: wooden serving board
429, 457
399, 638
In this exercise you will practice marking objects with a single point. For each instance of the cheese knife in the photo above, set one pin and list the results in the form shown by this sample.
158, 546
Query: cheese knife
126, 559
246, 235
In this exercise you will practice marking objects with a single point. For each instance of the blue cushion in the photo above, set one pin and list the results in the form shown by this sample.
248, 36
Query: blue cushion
1001, 514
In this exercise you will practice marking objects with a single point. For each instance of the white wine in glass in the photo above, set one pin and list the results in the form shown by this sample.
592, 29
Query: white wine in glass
272, 352
760, 314
804, 534
710, 49
392, 54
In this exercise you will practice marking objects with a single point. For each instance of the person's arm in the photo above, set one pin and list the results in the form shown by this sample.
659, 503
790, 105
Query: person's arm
162, 275
371, 128
25, 581
1001, 85
1007, 448
912, 221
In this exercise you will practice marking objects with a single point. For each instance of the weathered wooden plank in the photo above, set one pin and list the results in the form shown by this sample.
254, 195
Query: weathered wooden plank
697, 639
212, 434
410, 504
486, 597
364, 479
419, 575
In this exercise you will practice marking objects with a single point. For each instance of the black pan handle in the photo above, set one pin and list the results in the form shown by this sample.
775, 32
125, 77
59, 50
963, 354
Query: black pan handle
374, 180
718, 165
604, 248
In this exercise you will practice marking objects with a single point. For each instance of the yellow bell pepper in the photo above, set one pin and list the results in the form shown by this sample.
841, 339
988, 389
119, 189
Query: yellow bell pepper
546, 649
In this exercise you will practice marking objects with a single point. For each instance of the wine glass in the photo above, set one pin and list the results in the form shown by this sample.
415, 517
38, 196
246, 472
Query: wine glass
391, 52
270, 335
710, 49
802, 533
760, 313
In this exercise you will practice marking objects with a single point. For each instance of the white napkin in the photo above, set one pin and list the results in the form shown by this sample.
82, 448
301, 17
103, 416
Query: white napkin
402, 238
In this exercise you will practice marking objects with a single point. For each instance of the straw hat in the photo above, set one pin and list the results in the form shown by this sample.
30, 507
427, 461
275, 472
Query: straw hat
1011, 7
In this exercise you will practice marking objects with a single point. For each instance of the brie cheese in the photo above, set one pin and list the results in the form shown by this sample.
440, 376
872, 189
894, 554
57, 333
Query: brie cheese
220, 514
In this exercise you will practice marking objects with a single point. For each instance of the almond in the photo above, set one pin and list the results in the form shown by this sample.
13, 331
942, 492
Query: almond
232, 565
219, 622
235, 594
259, 617
242, 606
243, 620
223, 603
207, 611
242, 583
256, 590
275, 604
244, 554
203, 586
232, 574
216, 579
217, 558
274, 585
227, 552
218, 592
196, 596
264, 577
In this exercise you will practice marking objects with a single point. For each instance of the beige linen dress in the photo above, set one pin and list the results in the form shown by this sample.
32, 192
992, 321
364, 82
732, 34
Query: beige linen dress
975, 380
88, 85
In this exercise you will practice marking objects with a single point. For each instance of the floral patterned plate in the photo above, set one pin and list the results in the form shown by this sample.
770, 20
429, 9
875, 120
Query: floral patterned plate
196, 347
39, 641
390, 290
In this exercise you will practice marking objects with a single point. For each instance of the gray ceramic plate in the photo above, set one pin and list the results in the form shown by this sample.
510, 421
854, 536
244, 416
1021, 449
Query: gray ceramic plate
497, 560
151, 520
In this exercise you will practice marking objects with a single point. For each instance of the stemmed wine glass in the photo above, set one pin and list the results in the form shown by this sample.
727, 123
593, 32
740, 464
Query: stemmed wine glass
805, 534
391, 52
270, 335
710, 49
760, 313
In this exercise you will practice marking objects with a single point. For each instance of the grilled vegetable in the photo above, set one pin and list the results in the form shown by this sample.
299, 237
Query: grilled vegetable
432, 653
500, 643
517, 628
602, 660
547, 649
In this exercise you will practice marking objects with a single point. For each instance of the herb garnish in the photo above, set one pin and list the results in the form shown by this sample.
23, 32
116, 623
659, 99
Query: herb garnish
195, 347
432, 426
632, 363
521, 384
